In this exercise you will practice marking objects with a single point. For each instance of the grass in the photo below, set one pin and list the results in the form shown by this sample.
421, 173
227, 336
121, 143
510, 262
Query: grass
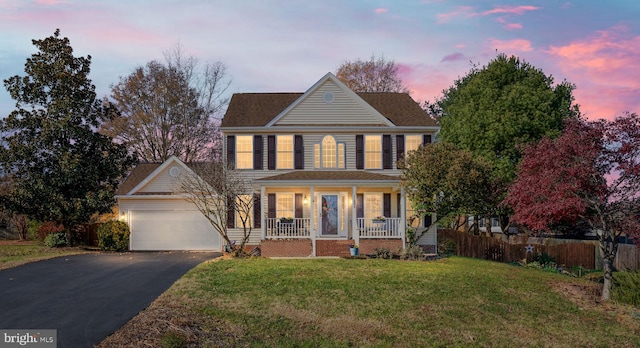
14, 254
453, 302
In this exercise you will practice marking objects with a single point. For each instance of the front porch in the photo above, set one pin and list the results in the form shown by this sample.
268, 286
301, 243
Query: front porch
294, 237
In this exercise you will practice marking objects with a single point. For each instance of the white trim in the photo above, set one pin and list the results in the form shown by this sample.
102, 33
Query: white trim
161, 168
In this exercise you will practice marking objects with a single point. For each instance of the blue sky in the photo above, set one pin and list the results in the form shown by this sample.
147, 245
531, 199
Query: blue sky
287, 45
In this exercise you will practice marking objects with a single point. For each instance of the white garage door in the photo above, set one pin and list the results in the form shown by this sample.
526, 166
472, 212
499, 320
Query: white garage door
172, 230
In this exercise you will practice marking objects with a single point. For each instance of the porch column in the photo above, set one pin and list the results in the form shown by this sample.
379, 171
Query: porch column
403, 217
263, 220
312, 212
355, 233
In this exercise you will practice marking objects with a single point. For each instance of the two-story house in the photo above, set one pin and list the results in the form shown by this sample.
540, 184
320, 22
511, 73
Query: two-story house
325, 167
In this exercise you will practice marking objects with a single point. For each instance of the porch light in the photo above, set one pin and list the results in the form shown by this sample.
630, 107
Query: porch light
305, 200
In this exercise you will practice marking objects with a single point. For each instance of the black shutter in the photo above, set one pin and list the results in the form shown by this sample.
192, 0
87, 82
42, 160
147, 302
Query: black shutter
386, 204
298, 152
231, 151
271, 205
271, 152
386, 151
426, 139
359, 205
257, 152
398, 212
298, 208
231, 213
359, 151
400, 151
257, 211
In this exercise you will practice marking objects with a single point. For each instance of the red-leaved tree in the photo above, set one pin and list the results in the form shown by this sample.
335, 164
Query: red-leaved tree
592, 172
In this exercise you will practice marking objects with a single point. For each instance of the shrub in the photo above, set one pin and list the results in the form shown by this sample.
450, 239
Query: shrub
413, 252
626, 288
383, 253
55, 240
113, 236
47, 228
446, 247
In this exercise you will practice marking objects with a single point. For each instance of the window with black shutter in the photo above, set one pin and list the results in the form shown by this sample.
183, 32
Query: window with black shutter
400, 151
386, 204
386, 151
298, 154
231, 152
257, 152
359, 151
271, 152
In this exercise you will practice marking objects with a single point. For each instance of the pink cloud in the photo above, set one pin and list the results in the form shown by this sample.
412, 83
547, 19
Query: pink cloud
465, 11
381, 10
50, 2
511, 46
518, 10
606, 70
513, 26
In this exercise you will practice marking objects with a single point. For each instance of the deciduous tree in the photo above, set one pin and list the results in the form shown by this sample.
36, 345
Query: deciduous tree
219, 194
495, 109
441, 179
591, 172
373, 75
171, 109
60, 167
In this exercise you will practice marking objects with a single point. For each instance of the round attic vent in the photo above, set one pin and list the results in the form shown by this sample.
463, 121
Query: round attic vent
328, 97
174, 171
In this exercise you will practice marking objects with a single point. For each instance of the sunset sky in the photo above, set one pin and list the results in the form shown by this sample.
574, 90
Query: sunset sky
287, 45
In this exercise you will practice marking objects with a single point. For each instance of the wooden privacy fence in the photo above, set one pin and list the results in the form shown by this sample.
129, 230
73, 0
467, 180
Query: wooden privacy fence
628, 258
482, 247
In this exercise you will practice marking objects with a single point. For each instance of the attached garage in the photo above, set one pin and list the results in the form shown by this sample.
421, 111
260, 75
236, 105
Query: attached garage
172, 230
160, 219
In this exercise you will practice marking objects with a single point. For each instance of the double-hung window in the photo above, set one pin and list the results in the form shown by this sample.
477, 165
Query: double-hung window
244, 152
412, 143
244, 210
372, 205
284, 149
373, 151
285, 206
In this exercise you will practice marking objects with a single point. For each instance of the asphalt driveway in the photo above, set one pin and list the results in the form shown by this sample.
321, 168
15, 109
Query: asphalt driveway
87, 297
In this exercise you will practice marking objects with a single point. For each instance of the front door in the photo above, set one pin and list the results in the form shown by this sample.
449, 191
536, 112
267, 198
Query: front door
329, 214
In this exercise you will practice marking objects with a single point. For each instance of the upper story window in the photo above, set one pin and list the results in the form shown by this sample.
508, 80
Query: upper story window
329, 153
373, 152
244, 152
284, 151
412, 143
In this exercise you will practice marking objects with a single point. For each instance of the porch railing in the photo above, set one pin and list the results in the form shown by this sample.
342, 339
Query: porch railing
294, 228
374, 228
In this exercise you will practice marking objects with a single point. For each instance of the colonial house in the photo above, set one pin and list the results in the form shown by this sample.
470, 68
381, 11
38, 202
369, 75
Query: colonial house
324, 166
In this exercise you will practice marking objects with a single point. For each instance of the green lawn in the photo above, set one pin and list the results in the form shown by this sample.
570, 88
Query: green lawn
387, 303
18, 253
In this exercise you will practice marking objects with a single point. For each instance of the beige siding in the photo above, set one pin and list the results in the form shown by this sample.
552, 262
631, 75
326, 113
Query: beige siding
163, 182
238, 234
345, 109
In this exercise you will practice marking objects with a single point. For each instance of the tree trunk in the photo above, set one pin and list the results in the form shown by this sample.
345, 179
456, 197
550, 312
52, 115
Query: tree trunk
609, 246
487, 225
607, 267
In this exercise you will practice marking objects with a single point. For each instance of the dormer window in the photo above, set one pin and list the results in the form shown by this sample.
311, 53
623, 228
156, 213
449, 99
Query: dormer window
329, 154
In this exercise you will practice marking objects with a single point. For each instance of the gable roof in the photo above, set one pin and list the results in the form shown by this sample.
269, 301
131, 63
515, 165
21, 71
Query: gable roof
261, 109
139, 173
